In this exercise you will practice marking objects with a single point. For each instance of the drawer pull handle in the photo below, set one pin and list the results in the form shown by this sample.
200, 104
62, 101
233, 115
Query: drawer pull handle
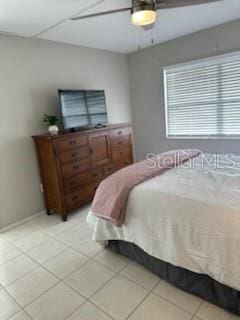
74, 198
74, 154
72, 183
76, 167
119, 133
121, 153
94, 175
72, 142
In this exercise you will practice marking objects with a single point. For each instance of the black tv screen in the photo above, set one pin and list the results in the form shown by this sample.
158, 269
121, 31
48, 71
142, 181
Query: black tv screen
82, 108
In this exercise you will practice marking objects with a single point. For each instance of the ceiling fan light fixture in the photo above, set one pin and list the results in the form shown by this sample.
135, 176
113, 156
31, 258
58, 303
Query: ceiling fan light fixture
143, 13
144, 17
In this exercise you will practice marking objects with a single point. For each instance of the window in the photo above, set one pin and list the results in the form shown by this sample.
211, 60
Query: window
202, 98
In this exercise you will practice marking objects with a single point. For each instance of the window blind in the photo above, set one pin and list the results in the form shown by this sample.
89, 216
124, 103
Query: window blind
202, 98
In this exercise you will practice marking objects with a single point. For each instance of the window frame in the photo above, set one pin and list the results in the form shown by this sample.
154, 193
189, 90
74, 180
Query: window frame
206, 61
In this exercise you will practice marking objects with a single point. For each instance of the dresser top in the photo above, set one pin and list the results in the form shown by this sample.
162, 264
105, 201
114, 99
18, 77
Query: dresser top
81, 132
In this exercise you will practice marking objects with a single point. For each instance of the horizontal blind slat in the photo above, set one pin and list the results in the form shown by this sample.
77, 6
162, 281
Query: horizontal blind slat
203, 98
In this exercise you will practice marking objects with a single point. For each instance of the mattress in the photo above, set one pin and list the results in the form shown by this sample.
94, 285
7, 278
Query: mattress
188, 217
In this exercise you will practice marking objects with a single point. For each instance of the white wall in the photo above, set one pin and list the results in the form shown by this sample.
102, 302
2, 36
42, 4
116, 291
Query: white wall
31, 71
147, 100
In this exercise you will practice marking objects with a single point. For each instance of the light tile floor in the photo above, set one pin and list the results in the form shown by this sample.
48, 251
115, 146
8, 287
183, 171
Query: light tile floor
50, 270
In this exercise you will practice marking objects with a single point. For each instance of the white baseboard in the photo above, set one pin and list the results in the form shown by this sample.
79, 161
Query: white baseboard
22, 221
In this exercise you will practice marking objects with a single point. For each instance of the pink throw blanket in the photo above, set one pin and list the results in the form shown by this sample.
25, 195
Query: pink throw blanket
110, 200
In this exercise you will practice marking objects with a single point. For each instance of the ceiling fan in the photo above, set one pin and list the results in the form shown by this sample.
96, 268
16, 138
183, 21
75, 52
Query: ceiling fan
144, 12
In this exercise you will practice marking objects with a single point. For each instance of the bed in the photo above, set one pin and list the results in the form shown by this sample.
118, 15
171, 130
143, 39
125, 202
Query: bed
184, 225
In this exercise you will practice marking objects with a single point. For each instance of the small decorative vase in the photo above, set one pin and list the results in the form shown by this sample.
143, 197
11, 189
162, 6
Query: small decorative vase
53, 130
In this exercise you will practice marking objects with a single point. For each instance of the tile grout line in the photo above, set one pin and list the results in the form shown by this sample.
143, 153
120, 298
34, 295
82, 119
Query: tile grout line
35, 261
56, 284
21, 308
75, 310
179, 307
35, 228
31, 219
59, 279
149, 290
131, 313
23, 275
26, 314
92, 258
166, 299
195, 314
118, 273
40, 229
62, 281
38, 266
156, 295
99, 289
68, 246
89, 299
21, 222
4, 288
18, 238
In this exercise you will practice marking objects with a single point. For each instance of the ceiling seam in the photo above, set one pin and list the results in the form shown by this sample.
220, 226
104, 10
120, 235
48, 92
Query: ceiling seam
10, 33
66, 19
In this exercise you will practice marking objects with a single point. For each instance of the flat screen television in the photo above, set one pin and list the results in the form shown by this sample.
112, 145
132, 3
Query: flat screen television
82, 108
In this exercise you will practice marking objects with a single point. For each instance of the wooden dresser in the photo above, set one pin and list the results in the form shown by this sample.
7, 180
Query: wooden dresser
73, 164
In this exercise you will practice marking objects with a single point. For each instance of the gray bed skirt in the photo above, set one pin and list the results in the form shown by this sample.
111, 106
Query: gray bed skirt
198, 284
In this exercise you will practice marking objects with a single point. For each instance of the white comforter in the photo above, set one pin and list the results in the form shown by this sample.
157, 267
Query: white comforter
189, 217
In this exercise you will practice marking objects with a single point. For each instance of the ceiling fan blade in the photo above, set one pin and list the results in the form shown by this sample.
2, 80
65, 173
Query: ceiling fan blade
103, 13
168, 4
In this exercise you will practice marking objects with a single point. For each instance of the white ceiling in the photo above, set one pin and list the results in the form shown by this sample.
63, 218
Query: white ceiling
49, 19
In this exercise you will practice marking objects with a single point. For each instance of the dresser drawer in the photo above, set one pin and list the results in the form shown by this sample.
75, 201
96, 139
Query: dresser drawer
76, 153
80, 196
120, 132
82, 179
118, 142
109, 169
123, 163
121, 153
73, 142
71, 169
119, 137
